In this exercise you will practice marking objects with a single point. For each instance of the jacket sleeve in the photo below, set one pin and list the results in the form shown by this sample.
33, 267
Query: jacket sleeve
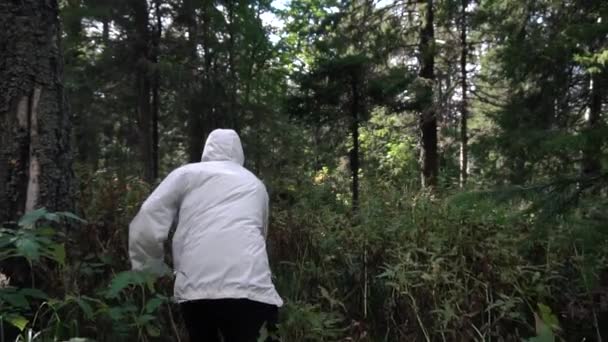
150, 227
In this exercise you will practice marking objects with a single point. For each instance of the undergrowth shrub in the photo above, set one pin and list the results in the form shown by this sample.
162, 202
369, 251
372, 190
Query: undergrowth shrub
408, 266
123, 307
418, 267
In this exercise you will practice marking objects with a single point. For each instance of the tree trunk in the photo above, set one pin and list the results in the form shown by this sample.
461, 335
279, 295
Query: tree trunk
35, 139
591, 164
35, 128
428, 118
194, 111
143, 86
464, 158
354, 155
156, 89
233, 84
105, 31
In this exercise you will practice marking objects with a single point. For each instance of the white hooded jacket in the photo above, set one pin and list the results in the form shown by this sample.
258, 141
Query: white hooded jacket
221, 211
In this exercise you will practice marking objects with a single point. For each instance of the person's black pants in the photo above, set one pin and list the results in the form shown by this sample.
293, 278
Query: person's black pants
237, 320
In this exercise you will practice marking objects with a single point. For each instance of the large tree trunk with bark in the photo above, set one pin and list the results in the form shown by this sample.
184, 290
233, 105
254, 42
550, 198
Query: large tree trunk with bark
428, 117
35, 139
35, 128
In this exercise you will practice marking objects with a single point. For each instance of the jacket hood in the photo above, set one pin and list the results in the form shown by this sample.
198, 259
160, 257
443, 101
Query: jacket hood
223, 145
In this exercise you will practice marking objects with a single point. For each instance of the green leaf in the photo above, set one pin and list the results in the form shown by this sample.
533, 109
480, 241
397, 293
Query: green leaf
6, 238
46, 231
69, 215
119, 313
34, 293
543, 332
8, 253
29, 219
547, 316
14, 298
17, 321
52, 217
153, 304
125, 279
58, 253
157, 267
28, 247
116, 313
144, 319
86, 308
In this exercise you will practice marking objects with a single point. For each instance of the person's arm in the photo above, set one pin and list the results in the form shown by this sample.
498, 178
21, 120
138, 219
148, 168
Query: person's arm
150, 227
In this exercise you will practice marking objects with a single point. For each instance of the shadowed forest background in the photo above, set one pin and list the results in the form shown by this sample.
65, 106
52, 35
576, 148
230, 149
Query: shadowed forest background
438, 169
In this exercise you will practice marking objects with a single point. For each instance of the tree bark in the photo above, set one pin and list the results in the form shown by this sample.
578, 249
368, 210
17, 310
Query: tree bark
35, 131
233, 117
354, 155
156, 89
428, 118
195, 138
591, 164
143, 86
464, 157
35, 127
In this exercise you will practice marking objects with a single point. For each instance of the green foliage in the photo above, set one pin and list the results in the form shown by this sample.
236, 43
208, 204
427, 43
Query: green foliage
410, 266
307, 322
131, 302
33, 242
538, 55
546, 323
390, 156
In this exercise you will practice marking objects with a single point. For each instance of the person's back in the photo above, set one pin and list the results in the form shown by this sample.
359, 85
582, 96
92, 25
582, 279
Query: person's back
219, 248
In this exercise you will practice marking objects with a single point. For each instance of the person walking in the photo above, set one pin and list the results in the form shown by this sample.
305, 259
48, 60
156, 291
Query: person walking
223, 279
